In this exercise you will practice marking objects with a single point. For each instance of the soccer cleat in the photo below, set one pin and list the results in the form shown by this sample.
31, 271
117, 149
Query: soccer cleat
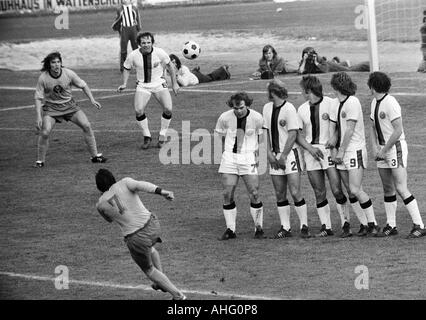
283, 233
38, 164
387, 231
146, 142
259, 234
416, 232
229, 234
99, 158
362, 231
346, 230
181, 297
161, 141
304, 232
372, 230
157, 287
324, 232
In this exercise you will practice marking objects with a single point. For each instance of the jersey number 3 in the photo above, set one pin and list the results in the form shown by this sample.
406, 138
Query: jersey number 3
115, 202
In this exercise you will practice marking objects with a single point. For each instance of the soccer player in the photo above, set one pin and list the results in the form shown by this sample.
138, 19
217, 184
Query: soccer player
54, 88
391, 154
351, 156
120, 202
241, 127
315, 116
149, 62
281, 124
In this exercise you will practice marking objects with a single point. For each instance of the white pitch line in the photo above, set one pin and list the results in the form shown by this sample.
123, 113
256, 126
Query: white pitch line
33, 89
81, 100
138, 287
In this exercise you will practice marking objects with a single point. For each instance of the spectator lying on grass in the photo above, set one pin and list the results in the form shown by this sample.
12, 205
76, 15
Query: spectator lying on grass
271, 64
185, 77
313, 63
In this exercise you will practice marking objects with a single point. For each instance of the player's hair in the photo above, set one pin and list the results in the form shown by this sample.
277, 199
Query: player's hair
313, 84
343, 83
277, 87
379, 81
178, 63
266, 49
238, 97
144, 35
104, 179
46, 61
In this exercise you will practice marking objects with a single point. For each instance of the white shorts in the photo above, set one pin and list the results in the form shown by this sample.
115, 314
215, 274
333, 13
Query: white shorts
293, 164
354, 159
397, 156
151, 87
323, 164
240, 164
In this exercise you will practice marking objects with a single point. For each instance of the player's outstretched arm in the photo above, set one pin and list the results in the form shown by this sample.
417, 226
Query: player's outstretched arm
88, 93
126, 74
135, 186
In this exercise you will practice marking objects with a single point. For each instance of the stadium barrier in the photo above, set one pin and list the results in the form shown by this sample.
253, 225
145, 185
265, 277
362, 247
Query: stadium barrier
37, 6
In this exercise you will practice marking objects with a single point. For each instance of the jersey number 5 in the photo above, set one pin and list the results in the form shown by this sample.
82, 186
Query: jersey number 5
115, 202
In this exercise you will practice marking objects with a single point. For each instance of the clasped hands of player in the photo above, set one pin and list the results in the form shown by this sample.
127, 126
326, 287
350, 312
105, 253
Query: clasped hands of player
275, 163
175, 88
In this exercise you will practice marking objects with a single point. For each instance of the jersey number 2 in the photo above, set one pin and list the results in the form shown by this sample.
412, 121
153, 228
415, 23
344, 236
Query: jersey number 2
115, 201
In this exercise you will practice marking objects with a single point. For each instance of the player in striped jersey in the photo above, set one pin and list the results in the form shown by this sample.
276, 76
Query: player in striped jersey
391, 154
54, 103
315, 116
351, 157
242, 128
281, 124
120, 203
149, 62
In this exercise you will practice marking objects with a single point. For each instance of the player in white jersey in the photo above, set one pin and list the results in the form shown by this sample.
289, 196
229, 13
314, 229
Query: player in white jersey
315, 116
54, 103
242, 128
120, 203
351, 157
281, 125
149, 62
391, 154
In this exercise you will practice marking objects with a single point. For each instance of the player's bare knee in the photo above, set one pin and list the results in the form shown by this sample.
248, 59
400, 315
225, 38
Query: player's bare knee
45, 134
148, 270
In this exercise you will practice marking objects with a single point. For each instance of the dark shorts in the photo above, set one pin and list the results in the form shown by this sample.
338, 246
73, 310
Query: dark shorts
61, 112
141, 242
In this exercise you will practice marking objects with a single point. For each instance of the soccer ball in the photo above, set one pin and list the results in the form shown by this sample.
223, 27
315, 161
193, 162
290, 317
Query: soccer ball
191, 50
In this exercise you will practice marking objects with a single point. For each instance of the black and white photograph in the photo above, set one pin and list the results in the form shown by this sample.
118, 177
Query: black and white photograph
224, 152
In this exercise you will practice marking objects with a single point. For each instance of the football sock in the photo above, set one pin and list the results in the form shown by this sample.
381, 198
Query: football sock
89, 137
360, 214
343, 210
369, 211
162, 281
413, 210
230, 213
256, 211
284, 214
302, 212
323, 210
165, 122
143, 123
43, 145
390, 208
